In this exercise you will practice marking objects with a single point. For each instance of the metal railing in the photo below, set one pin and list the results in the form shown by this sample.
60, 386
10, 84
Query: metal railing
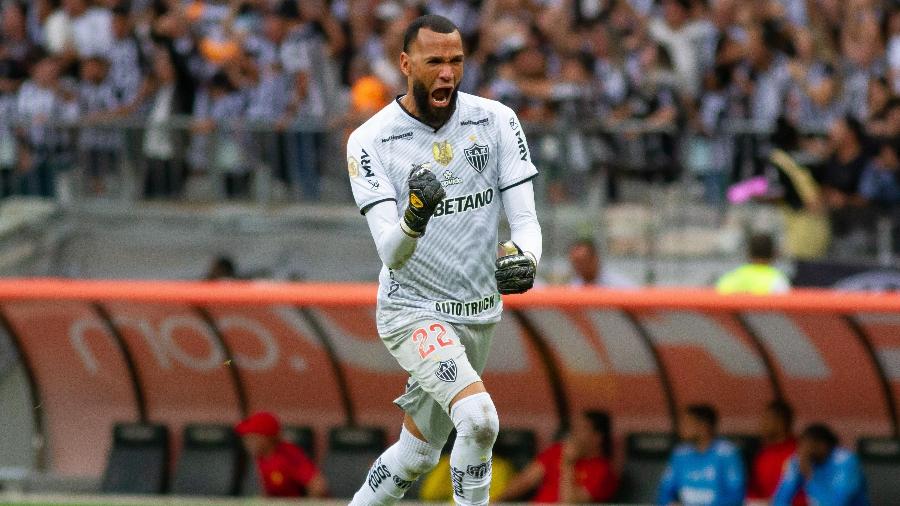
127, 161
159, 159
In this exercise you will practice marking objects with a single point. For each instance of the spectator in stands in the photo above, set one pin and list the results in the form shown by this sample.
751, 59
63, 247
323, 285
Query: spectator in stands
15, 51
91, 27
283, 467
653, 97
97, 100
893, 48
268, 92
779, 445
648, 62
315, 38
675, 32
880, 181
852, 221
710, 152
171, 92
807, 232
9, 85
43, 102
878, 104
815, 98
759, 276
588, 268
15, 46
704, 469
849, 158
827, 473
218, 142
576, 470
129, 60
55, 27
222, 268
764, 79
891, 118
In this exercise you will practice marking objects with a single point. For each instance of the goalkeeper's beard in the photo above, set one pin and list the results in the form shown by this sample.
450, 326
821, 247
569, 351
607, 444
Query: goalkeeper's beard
434, 116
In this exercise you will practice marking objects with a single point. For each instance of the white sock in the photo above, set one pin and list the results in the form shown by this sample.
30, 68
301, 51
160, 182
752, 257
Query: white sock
475, 418
395, 471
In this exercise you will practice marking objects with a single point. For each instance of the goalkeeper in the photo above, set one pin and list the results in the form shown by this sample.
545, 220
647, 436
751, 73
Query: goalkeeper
429, 172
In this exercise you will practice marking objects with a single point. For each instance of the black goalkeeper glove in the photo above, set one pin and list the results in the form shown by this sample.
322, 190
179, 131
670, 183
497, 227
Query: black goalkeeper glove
425, 193
515, 271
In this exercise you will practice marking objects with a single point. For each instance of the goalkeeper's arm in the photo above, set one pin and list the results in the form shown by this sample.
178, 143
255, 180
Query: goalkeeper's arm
516, 271
518, 202
396, 240
393, 244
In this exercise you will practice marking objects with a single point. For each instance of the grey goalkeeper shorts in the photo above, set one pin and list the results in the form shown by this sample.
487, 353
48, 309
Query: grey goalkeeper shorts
441, 359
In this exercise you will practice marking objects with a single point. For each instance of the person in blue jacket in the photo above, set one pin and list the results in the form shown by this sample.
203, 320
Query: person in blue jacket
704, 470
830, 475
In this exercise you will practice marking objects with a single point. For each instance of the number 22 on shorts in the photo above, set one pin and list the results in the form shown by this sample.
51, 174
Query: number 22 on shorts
437, 332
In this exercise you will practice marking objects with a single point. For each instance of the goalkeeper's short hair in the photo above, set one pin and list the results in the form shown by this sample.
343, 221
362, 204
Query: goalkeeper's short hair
432, 22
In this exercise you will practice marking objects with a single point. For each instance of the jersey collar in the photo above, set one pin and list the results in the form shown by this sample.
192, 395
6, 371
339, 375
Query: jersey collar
422, 123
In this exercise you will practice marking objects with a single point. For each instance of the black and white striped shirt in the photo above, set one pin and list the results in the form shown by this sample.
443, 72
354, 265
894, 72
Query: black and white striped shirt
127, 66
94, 98
39, 110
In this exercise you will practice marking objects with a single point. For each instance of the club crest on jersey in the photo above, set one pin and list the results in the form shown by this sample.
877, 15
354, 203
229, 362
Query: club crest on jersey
443, 152
446, 371
478, 156
352, 166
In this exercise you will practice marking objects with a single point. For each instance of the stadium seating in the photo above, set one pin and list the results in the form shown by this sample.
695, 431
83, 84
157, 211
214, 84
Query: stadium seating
138, 460
251, 486
302, 437
881, 463
209, 463
351, 451
646, 457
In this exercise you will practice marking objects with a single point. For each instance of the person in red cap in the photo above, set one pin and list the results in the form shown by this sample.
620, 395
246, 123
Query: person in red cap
283, 467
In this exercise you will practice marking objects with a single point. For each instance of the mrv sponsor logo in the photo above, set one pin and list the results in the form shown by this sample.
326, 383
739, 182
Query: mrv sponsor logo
366, 162
523, 151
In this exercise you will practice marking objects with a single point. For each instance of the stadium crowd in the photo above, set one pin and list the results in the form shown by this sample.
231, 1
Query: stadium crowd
663, 88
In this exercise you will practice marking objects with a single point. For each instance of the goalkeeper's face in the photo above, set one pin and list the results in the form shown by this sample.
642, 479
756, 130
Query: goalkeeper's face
433, 67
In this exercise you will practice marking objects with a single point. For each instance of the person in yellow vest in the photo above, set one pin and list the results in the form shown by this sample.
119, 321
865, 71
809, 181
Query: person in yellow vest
758, 277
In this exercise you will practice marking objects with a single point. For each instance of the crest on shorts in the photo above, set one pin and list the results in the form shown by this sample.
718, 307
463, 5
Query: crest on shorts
443, 152
446, 371
478, 156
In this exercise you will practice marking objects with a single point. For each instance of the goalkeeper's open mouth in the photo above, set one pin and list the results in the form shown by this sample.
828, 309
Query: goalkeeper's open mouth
440, 96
